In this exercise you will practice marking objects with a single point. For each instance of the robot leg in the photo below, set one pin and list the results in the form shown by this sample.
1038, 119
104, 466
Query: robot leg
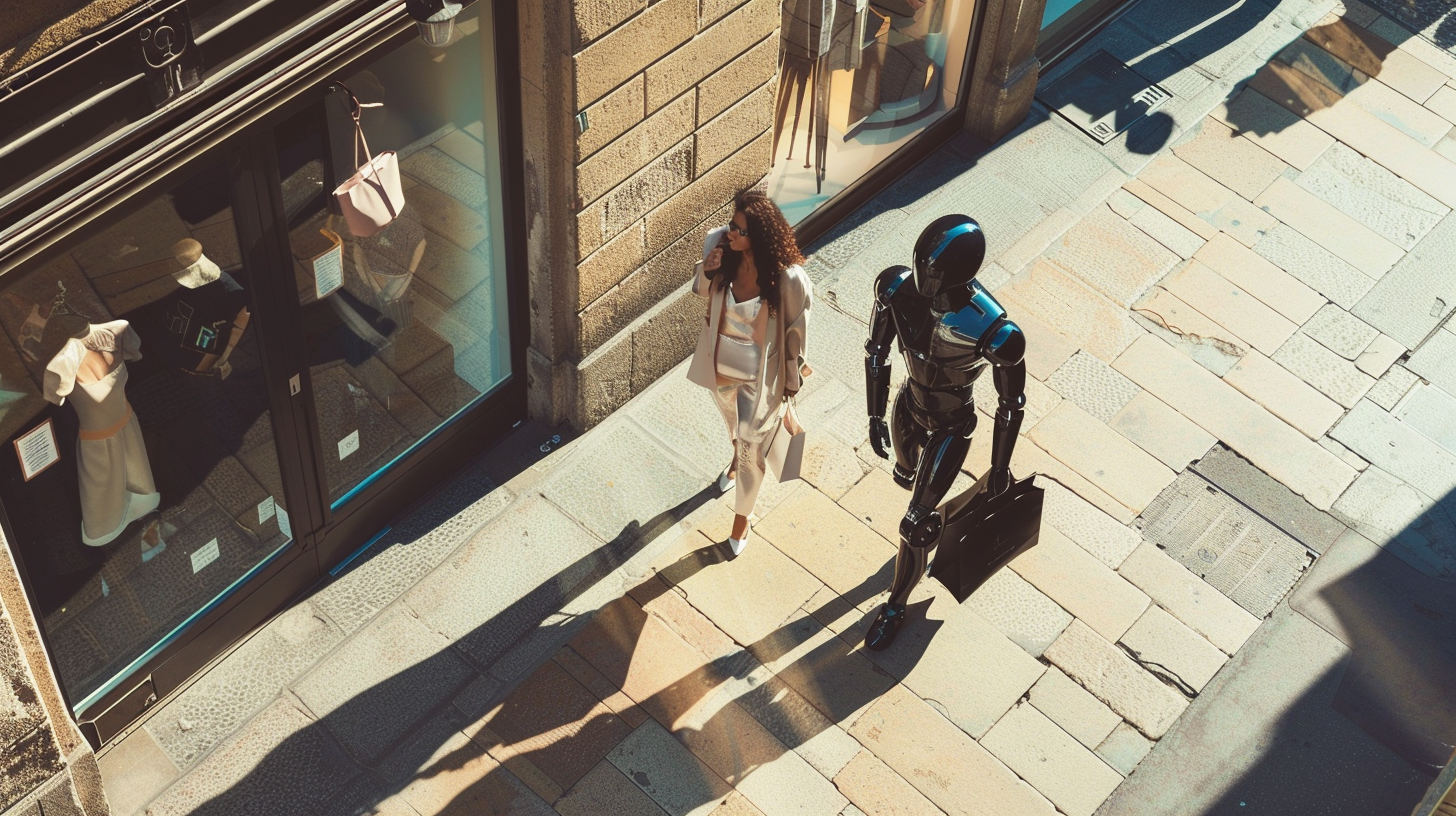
909, 438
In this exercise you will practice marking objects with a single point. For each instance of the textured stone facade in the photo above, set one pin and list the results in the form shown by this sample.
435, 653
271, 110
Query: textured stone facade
45, 763
640, 123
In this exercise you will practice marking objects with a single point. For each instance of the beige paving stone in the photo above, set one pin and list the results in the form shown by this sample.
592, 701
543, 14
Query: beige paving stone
1081, 584
1160, 641
1321, 222
835, 678
1101, 455
1168, 232
1327, 371
1046, 348
752, 594
1285, 395
1443, 102
1111, 676
1207, 199
1080, 314
1107, 539
1040, 400
606, 790
1021, 611
735, 805
1036, 240
827, 540
1204, 609
1398, 110
1340, 332
1064, 771
1269, 125
799, 725
1230, 306
1237, 164
1379, 356
1125, 203
879, 502
1089, 383
1167, 206
1124, 748
831, 465
782, 784
676, 780
1377, 58
942, 762
688, 622
1252, 273
1190, 331
1259, 436
1110, 255
1028, 457
1346, 455
878, 791
462, 779
1391, 387
970, 672
1161, 431
1073, 708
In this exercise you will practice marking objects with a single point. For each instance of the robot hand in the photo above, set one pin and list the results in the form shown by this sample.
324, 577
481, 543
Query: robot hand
880, 437
1000, 481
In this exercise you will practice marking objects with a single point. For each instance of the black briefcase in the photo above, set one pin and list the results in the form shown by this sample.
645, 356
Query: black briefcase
984, 533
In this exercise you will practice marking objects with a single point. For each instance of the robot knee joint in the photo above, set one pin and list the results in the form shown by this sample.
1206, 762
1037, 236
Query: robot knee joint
920, 528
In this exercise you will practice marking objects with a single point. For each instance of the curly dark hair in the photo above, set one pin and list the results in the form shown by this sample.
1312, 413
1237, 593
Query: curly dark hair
773, 245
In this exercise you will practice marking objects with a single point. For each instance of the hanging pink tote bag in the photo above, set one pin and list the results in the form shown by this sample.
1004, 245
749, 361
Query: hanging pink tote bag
372, 197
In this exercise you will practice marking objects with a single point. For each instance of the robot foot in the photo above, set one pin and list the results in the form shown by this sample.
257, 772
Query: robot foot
884, 628
903, 479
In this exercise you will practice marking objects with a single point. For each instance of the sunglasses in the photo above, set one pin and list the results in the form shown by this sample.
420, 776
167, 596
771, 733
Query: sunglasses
740, 230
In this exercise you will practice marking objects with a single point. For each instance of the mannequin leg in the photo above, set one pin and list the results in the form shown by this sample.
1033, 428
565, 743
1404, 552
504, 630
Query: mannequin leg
945, 451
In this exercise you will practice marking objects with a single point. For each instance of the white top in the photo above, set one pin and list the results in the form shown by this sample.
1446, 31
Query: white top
115, 336
738, 317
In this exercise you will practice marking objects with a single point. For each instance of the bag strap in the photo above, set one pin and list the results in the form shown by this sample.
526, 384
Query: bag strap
355, 108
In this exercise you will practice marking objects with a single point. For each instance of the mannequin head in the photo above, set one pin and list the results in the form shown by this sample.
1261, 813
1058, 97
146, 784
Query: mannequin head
948, 255
60, 329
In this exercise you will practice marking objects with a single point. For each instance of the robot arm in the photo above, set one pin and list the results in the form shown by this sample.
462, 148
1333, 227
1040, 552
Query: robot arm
1006, 350
877, 356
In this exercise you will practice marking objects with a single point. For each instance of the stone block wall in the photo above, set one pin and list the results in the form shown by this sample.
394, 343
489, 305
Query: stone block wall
46, 765
677, 97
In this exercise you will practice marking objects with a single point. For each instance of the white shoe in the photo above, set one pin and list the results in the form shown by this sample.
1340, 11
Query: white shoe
725, 482
737, 544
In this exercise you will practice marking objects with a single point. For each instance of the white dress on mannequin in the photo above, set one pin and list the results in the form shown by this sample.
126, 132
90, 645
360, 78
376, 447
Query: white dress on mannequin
115, 475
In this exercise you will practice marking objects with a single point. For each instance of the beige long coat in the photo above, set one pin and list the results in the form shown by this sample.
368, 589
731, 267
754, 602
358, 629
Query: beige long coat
781, 336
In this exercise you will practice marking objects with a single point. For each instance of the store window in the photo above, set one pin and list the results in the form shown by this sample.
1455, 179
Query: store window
857, 80
141, 480
405, 328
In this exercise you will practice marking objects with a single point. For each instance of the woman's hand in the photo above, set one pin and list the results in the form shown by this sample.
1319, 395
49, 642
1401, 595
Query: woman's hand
714, 259
788, 395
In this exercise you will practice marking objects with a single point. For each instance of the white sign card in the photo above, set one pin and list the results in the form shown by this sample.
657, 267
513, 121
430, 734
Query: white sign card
348, 445
37, 449
266, 510
206, 554
284, 524
328, 272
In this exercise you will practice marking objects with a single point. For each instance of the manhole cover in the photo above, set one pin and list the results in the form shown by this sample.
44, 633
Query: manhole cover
1225, 543
1103, 97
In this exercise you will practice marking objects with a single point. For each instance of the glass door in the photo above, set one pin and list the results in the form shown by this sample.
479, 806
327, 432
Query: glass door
405, 327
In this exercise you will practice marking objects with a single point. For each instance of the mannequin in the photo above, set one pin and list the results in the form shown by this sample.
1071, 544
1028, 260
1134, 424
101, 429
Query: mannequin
89, 364
212, 308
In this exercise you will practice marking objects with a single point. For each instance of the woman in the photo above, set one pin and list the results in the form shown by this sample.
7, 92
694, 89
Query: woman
751, 349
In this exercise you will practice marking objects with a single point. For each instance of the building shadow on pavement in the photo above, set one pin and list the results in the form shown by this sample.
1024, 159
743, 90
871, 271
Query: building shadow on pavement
1341, 703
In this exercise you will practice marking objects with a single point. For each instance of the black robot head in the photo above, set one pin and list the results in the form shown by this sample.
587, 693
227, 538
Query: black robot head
948, 254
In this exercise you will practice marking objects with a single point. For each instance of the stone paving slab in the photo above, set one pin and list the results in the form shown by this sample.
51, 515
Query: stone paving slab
1116, 680
1231, 307
1046, 756
1081, 584
1073, 708
1161, 431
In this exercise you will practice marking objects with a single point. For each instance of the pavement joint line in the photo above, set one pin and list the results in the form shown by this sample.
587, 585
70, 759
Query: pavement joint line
1315, 555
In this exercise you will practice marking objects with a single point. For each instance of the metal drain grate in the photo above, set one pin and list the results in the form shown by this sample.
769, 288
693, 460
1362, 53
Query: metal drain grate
1225, 543
1103, 97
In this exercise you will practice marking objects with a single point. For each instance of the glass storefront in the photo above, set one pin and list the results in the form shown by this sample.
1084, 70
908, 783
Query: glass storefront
161, 461
857, 80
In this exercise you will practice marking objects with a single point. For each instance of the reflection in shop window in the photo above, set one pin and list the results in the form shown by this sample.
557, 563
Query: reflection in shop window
857, 80
134, 346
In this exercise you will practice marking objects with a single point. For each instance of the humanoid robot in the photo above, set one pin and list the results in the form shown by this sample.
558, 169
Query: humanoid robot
950, 330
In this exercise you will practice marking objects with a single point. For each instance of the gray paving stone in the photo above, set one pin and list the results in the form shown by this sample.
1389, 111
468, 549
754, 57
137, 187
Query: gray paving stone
1093, 385
1346, 455
473, 601
1119, 39
1124, 748
1397, 449
1391, 387
1334, 376
1339, 331
1418, 292
1432, 411
238, 687
1435, 360
606, 790
1049, 163
666, 771
1372, 195
281, 762
1029, 618
613, 501
1240, 479
385, 679
685, 419
1401, 519
1314, 265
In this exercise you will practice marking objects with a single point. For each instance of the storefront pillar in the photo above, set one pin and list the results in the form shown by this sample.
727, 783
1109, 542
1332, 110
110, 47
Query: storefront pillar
640, 122
1003, 81
47, 764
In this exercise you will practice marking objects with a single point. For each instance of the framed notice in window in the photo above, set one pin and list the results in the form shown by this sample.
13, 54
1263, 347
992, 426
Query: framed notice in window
37, 449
